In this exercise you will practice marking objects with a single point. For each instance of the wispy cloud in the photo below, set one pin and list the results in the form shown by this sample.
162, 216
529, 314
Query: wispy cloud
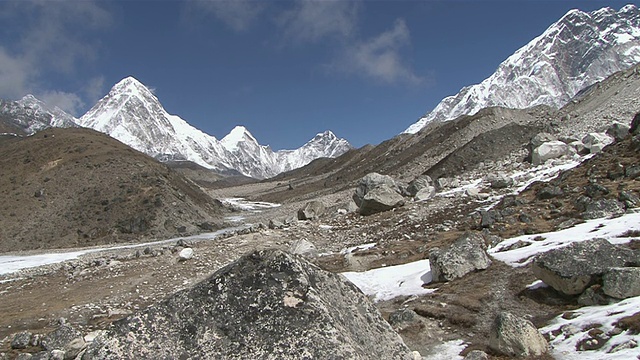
314, 20
50, 42
239, 15
380, 58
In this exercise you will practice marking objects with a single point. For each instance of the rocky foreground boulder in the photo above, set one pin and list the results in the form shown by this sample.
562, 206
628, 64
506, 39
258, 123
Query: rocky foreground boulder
370, 182
514, 336
269, 304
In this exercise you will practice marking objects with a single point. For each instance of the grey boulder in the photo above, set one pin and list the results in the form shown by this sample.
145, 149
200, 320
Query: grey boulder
380, 199
465, 255
419, 183
514, 336
622, 283
548, 150
573, 268
65, 339
311, 210
370, 182
269, 304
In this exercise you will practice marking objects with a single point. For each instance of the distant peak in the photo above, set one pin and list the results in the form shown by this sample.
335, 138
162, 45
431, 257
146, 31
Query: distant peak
238, 134
29, 98
128, 81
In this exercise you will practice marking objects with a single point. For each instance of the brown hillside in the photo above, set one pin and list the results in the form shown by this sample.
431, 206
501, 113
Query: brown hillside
77, 187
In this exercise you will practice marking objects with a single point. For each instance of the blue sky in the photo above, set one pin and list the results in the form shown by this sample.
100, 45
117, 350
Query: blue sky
284, 69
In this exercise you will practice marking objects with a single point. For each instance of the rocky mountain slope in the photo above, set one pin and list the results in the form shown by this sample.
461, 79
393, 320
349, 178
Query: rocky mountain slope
577, 51
29, 115
77, 187
131, 113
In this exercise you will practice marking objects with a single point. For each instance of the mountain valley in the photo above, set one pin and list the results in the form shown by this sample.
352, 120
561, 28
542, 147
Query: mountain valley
426, 246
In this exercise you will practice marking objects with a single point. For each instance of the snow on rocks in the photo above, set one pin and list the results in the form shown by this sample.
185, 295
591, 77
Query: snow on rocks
390, 282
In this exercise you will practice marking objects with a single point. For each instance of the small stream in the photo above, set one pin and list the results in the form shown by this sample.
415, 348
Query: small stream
13, 263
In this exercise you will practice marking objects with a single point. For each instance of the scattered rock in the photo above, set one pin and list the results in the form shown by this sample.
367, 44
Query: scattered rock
24, 356
379, 199
629, 199
419, 183
465, 255
267, 304
573, 268
603, 208
514, 336
66, 339
549, 192
370, 182
593, 295
276, 224
305, 248
621, 283
425, 193
618, 131
540, 139
632, 171
477, 355
185, 254
311, 210
548, 150
499, 181
595, 142
21, 340
476, 194
635, 123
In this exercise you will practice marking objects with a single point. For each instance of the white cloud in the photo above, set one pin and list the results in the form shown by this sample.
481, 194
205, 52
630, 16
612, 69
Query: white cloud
313, 20
237, 14
52, 40
380, 57
68, 102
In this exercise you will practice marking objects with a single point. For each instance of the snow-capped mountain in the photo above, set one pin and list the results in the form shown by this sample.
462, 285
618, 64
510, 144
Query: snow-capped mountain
30, 115
577, 51
131, 113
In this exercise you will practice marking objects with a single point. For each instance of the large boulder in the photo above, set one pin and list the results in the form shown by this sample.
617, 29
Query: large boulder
304, 247
269, 304
540, 139
420, 183
622, 283
65, 339
379, 199
370, 182
635, 125
499, 181
618, 131
311, 210
596, 209
573, 268
595, 142
465, 255
548, 150
516, 337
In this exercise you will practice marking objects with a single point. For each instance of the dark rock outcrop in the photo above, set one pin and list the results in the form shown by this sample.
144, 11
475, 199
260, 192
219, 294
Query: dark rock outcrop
267, 305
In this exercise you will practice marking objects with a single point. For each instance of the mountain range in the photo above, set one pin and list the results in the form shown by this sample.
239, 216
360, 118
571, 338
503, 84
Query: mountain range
574, 53
131, 113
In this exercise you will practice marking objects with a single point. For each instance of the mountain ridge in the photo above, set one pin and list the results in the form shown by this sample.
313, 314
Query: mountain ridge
575, 52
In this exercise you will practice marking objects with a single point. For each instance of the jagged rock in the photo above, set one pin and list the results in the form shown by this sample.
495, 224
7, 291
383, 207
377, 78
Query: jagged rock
489, 217
573, 268
311, 210
185, 254
267, 305
540, 139
621, 283
477, 355
42, 355
514, 336
579, 147
618, 131
401, 316
476, 194
65, 339
425, 193
549, 192
304, 247
419, 183
548, 150
21, 340
593, 295
379, 199
635, 123
370, 182
595, 190
632, 171
629, 199
499, 181
595, 142
276, 224
602, 208
24, 356
58, 355
465, 255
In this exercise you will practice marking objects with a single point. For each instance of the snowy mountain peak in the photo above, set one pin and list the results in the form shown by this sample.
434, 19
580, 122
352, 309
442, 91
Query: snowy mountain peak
237, 135
34, 115
131, 113
575, 52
